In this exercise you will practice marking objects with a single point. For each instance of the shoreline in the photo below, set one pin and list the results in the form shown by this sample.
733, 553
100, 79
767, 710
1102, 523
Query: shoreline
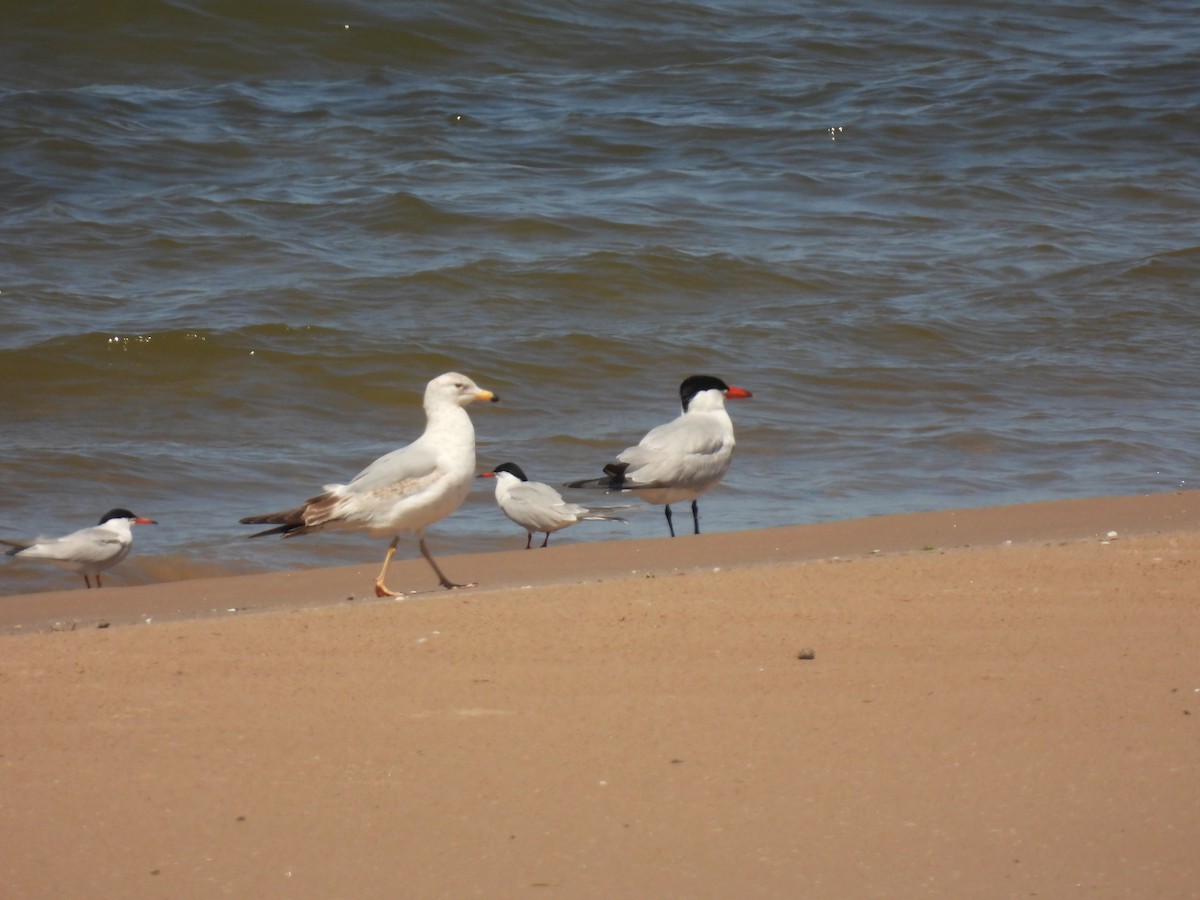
567, 564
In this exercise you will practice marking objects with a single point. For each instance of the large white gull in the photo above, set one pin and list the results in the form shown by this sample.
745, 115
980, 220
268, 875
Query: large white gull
404, 491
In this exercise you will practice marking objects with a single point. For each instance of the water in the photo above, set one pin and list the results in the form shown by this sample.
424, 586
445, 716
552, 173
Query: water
952, 251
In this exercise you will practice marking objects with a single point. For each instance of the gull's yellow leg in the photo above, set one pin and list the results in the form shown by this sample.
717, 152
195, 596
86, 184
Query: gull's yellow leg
381, 589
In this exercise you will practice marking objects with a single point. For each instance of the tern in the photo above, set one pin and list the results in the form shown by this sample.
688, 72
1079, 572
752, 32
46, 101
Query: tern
681, 459
88, 551
404, 491
536, 506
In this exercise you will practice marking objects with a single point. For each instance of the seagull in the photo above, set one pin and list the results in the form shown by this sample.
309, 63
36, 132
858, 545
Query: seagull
680, 459
88, 551
406, 490
536, 506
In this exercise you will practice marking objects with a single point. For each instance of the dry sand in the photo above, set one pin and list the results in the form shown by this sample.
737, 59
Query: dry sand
1000, 703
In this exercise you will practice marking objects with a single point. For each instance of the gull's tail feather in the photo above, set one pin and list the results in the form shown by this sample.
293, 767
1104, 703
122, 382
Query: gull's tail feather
288, 521
312, 516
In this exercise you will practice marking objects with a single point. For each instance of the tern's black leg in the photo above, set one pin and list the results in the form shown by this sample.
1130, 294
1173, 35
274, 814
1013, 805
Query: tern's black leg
696, 516
547, 540
669, 525
528, 539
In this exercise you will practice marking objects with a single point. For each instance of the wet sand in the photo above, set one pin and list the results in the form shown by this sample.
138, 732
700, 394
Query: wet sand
998, 703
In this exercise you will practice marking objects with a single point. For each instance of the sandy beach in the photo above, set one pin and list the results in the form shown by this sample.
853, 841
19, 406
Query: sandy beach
968, 703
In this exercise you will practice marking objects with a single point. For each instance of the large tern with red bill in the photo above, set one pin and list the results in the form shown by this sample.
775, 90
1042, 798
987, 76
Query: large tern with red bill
682, 459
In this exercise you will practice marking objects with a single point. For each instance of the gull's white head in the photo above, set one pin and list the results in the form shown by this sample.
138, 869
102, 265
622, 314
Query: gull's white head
457, 389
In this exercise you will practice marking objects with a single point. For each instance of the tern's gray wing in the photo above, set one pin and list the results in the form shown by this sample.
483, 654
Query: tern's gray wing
540, 507
686, 449
535, 493
87, 546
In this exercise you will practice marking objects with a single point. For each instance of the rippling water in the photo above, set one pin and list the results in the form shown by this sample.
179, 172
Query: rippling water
953, 251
